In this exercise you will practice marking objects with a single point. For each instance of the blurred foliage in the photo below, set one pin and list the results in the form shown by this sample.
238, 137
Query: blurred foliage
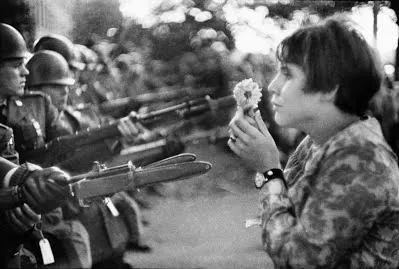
94, 18
169, 39
18, 14
285, 9
395, 6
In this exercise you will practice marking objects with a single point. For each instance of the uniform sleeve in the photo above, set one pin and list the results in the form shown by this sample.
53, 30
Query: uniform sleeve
7, 149
339, 206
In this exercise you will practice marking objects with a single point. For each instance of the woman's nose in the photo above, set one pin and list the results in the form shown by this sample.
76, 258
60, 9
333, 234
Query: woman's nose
274, 86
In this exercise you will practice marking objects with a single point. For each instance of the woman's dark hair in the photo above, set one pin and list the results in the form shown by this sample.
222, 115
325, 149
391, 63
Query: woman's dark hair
334, 54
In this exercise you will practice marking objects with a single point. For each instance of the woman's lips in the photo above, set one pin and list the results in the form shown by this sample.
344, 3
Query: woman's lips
276, 106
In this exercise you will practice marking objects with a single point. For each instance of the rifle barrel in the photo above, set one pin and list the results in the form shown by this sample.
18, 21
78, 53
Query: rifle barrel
167, 95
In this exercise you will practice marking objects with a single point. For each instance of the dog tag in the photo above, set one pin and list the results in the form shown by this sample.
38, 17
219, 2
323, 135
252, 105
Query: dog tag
111, 207
47, 253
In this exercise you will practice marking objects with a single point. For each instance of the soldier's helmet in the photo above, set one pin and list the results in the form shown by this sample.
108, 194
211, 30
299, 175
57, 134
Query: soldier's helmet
62, 45
48, 67
12, 44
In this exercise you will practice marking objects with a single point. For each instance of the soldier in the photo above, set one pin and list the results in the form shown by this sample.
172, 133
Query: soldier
49, 74
39, 191
35, 121
16, 222
93, 91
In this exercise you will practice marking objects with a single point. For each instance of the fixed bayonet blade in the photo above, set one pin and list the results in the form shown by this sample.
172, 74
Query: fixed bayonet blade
172, 172
180, 158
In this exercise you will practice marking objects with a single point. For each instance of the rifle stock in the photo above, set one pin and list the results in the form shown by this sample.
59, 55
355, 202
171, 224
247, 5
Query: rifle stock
64, 147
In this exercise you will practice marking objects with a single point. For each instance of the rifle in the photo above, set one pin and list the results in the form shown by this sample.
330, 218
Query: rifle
102, 181
123, 106
143, 154
82, 160
64, 147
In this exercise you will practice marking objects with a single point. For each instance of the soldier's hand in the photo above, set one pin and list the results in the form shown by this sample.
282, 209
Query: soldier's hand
45, 190
128, 129
22, 218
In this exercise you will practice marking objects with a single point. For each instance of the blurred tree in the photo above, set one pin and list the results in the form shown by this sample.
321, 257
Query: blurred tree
182, 27
286, 9
95, 17
18, 14
185, 25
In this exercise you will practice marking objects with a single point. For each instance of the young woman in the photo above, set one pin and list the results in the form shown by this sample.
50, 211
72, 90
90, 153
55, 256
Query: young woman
336, 204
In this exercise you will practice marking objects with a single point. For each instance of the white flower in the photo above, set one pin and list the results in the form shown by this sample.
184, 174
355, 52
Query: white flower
247, 93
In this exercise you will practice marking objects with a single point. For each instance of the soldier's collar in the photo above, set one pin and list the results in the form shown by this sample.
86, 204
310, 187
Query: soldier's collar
17, 101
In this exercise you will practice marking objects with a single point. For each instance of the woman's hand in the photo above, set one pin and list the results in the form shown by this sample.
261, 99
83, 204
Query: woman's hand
254, 145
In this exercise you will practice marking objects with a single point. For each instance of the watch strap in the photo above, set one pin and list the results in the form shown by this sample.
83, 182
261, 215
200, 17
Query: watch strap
275, 173
270, 175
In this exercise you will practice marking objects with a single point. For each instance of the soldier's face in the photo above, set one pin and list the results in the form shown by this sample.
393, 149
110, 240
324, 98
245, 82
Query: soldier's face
58, 94
13, 77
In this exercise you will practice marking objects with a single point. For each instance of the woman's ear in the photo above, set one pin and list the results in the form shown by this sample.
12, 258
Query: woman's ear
330, 95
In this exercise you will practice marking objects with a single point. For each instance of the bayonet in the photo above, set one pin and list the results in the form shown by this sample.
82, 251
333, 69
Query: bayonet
127, 177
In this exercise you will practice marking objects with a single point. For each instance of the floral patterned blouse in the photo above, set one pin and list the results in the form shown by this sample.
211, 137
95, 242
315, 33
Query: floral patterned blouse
341, 209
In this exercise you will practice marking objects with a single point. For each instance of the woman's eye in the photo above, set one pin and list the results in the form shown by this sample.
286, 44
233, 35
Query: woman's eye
286, 73
18, 64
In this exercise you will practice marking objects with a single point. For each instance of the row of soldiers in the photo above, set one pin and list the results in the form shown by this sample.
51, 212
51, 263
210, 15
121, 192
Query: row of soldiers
36, 107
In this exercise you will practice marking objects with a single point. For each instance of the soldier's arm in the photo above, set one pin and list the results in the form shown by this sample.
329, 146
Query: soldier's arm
20, 219
6, 170
323, 227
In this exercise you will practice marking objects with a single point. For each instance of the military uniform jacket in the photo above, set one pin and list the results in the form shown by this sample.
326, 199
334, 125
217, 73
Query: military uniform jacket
34, 121
341, 209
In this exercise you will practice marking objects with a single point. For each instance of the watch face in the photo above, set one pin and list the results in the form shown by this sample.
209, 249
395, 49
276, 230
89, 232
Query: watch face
259, 180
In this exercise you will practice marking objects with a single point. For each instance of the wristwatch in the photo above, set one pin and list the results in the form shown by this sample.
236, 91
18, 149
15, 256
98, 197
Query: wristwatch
262, 178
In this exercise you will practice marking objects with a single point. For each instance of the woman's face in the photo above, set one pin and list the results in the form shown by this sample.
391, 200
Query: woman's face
292, 106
